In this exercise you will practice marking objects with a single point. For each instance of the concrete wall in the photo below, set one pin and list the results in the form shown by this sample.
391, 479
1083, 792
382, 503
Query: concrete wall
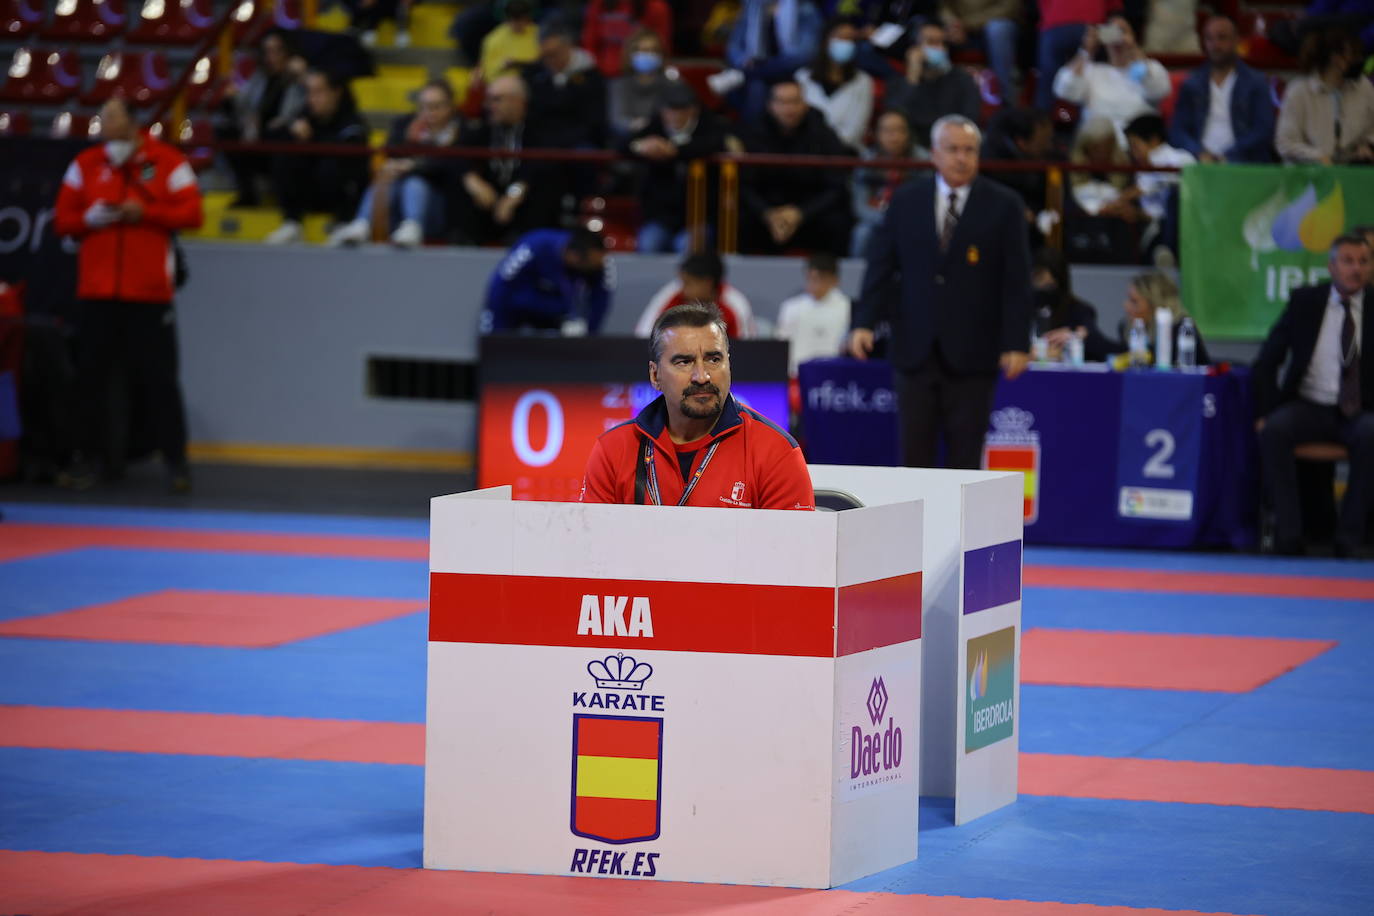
275, 341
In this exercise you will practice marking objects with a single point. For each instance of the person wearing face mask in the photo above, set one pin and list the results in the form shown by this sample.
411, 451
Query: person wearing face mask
122, 201
1126, 85
608, 26
1060, 314
1328, 114
634, 96
932, 87
836, 88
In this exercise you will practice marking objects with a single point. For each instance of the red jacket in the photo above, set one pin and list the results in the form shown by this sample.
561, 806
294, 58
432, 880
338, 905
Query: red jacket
605, 31
756, 466
132, 262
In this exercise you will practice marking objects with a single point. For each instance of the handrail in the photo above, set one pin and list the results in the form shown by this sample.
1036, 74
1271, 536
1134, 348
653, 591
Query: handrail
176, 99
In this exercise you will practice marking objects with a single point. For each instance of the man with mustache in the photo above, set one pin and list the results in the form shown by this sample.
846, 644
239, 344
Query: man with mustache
695, 445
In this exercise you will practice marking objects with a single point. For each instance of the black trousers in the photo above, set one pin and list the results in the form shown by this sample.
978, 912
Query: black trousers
826, 231
127, 369
934, 403
1294, 423
310, 183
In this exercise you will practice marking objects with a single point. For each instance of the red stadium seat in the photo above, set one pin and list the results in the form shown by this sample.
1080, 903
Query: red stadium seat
196, 137
142, 78
14, 123
173, 22
68, 124
86, 20
206, 91
36, 75
1176, 80
20, 18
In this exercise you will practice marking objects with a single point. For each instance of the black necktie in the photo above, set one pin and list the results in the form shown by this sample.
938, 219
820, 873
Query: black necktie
1349, 398
951, 220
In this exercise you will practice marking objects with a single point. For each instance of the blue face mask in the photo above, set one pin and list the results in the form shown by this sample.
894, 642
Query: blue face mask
645, 61
841, 50
936, 58
1137, 70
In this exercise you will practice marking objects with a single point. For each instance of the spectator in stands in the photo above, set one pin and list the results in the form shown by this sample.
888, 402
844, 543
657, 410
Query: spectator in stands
1326, 394
304, 181
1022, 135
366, 16
567, 94
1148, 292
414, 187
123, 200
794, 206
1354, 16
1060, 314
1170, 26
1100, 221
635, 96
1328, 114
1223, 112
607, 26
1063, 24
874, 187
815, 323
1125, 85
719, 25
701, 278
836, 88
932, 86
552, 280
1156, 192
993, 26
470, 27
511, 45
498, 199
770, 41
678, 133
263, 110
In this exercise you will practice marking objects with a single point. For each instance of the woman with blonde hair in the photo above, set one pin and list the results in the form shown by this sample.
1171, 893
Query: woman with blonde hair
1147, 293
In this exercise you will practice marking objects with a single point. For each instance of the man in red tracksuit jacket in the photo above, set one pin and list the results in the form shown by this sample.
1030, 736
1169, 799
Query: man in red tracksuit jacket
123, 200
696, 445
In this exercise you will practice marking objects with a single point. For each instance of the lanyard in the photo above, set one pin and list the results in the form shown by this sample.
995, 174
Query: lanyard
653, 472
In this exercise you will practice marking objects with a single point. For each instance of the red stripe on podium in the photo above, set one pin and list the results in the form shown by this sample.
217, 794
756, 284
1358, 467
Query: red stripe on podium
686, 616
879, 613
616, 818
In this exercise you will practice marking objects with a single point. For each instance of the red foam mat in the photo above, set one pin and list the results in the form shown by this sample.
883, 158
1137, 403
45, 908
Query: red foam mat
99, 885
211, 618
19, 540
1154, 580
213, 734
1160, 661
1239, 784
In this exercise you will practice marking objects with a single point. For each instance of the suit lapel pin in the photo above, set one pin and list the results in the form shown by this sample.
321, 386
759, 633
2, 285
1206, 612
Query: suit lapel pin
973, 254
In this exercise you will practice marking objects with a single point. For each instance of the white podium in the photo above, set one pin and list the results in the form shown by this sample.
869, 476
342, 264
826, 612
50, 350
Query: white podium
673, 693
971, 672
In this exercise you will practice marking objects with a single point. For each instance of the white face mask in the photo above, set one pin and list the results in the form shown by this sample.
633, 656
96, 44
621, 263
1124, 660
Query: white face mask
119, 151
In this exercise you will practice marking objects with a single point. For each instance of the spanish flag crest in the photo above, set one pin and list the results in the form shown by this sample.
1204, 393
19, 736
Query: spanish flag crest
1012, 445
617, 778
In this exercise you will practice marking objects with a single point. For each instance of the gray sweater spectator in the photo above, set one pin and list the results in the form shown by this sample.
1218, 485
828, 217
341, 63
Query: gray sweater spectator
932, 86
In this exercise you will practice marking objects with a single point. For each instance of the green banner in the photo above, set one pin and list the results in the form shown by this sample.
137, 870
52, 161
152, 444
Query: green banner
1249, 234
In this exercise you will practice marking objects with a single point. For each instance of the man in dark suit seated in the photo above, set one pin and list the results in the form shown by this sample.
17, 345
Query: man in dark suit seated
949, 267
1326, 394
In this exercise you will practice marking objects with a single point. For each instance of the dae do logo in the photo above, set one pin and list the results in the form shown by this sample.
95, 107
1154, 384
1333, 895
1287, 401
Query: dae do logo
877, 753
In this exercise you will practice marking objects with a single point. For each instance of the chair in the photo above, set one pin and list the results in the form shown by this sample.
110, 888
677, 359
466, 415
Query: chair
14, 123
142, 78
47, 77
1316, 486
86, 20
196, 138
173, 22
76, 126
20, 18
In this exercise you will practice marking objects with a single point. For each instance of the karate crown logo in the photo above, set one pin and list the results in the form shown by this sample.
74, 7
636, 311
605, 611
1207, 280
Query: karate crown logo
619, 672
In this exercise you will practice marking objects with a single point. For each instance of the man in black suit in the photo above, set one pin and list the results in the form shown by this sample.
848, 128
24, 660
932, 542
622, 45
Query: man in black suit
949, 267
1326, 395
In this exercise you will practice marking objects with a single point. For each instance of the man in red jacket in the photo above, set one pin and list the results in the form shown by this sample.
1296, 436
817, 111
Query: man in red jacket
695, 445
123, 200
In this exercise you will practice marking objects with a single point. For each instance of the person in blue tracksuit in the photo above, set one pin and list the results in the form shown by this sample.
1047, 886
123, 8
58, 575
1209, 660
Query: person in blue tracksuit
551, 279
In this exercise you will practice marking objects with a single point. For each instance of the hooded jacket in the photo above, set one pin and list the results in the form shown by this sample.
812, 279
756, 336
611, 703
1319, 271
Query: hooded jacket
756, 464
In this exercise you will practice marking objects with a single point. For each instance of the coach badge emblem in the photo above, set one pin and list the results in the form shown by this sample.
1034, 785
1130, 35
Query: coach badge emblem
973, 254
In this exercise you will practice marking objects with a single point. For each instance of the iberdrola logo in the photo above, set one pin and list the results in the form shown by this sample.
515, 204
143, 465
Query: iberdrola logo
1305, 224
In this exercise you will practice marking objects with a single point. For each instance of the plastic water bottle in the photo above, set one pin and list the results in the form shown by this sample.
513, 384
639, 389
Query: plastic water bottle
1139, 343
1164, 338
1073, 352
1187, 344
1040, 347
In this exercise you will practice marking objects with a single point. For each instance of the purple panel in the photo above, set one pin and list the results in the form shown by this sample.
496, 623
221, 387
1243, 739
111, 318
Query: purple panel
992, 576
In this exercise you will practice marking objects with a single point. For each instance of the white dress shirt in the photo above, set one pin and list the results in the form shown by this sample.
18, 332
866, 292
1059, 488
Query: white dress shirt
1218, 134
942, 190
1322, 384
